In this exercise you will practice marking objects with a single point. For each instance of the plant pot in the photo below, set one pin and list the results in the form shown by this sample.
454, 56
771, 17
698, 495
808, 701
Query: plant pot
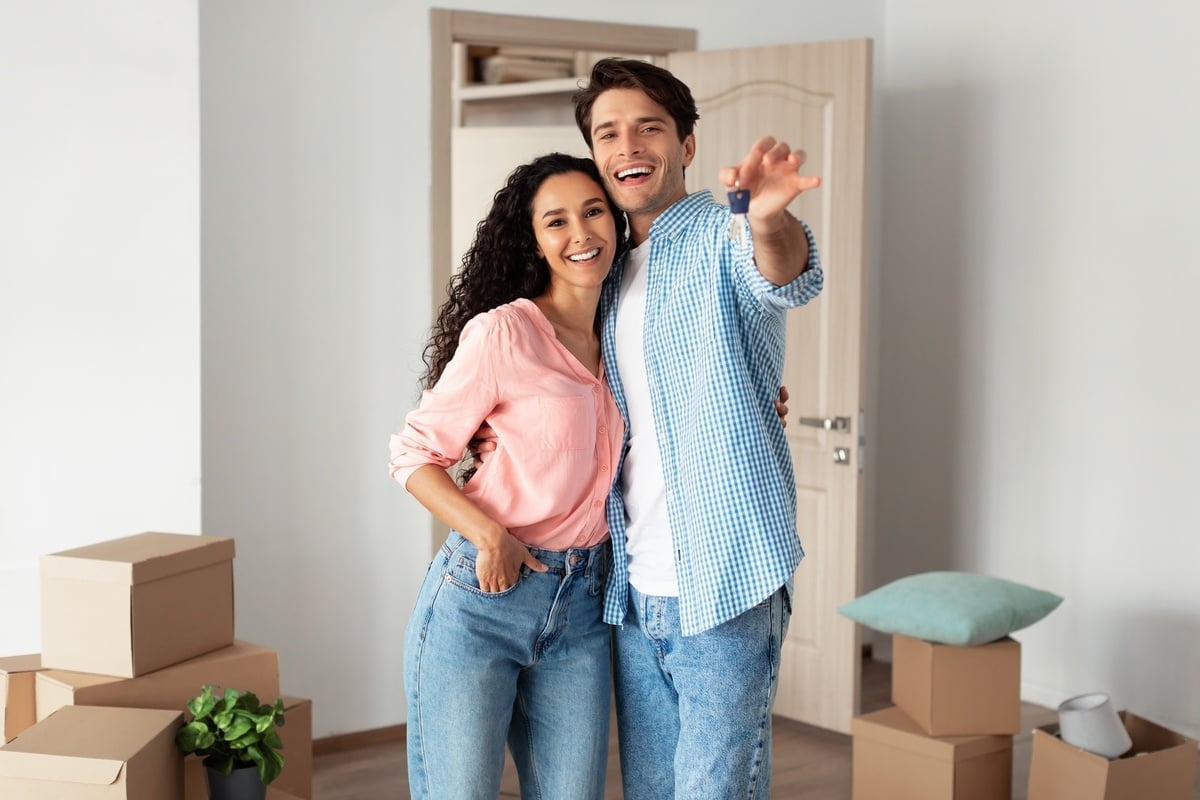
242, 783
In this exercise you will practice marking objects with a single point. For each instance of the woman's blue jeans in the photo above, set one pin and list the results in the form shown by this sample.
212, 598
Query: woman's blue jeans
529, 665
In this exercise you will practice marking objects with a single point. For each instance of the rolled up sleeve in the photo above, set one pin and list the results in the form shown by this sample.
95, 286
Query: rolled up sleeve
449, 414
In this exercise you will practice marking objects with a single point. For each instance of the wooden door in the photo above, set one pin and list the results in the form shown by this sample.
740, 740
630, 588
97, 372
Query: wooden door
816, 97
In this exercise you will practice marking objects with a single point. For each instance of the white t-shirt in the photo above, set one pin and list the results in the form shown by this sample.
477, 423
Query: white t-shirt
649, 547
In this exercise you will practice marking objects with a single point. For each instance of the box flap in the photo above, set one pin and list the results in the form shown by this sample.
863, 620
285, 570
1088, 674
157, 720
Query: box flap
893, 727
1147, 738
139, 558
14, 664
1150, 738
18, 706
93, 733
59, 768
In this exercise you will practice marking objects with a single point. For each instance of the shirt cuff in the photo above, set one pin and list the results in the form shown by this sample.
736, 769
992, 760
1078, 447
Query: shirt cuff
806, 286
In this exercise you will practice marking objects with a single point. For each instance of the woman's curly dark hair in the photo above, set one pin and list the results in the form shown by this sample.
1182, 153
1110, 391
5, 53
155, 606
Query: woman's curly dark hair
502, 264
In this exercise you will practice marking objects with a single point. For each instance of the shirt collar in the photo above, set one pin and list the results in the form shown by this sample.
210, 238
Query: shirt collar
672, 222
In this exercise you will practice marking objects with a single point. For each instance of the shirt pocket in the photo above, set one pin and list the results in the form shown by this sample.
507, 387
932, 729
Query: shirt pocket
567, 423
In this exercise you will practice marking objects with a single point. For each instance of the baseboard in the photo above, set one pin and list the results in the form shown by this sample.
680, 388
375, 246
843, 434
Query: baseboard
354, 741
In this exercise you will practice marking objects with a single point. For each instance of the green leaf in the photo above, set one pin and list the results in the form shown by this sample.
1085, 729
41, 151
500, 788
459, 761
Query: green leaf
202, 704
270, 764
231, 699
237, 728
223, 718
248, 701
271, 739
274, 768
193, 737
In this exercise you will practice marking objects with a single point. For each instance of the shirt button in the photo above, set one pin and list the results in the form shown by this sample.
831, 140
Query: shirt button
604, 467
603, 429
598, 503
596, 389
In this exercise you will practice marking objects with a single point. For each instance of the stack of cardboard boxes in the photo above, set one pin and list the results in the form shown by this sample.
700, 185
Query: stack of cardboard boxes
949, 735
131, 630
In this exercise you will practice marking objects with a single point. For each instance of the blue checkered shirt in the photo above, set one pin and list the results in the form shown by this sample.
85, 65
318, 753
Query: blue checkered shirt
714, 347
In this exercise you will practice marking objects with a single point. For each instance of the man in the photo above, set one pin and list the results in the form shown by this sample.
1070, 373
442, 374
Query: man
703, 514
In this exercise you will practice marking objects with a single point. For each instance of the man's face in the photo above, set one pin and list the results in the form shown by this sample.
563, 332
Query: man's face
636, 146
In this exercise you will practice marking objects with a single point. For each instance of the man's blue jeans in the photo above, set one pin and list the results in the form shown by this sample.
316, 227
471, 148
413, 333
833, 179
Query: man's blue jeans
694, 712
530, 664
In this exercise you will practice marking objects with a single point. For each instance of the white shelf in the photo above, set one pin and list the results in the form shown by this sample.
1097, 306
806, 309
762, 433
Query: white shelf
500, 91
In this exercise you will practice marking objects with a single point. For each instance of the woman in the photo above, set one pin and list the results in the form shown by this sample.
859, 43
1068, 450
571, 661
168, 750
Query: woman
507, 639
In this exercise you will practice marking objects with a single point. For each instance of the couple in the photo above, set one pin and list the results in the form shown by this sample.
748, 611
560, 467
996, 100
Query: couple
630, 386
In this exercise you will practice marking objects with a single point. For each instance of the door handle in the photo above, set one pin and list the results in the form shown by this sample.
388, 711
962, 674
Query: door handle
837, 424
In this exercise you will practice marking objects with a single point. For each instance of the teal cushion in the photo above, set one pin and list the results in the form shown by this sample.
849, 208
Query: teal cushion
960, 608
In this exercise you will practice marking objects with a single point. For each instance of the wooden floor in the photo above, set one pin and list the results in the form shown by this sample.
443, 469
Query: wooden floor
809, 763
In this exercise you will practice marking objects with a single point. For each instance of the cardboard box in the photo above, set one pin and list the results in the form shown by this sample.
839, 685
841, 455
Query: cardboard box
86, 753
958, 691
893, 759
134, 605
242, 665
1160, 765
18, 707
296, 733
296, 778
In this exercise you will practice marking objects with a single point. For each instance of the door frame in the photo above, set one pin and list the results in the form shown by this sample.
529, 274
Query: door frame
448, 27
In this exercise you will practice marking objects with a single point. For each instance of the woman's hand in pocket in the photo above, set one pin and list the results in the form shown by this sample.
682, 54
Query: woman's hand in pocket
498, 567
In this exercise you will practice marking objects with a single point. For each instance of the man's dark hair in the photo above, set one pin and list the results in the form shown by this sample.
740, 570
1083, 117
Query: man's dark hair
626, 73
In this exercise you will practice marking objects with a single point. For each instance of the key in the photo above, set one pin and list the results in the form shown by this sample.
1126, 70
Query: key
739, 204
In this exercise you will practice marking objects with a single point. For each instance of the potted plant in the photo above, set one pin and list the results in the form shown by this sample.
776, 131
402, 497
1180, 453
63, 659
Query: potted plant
237, 738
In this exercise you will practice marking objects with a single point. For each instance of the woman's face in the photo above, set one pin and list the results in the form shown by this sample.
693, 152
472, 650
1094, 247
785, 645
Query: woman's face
575, 230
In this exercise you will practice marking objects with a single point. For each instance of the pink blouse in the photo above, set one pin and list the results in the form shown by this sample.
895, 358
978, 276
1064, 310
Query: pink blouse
558, 431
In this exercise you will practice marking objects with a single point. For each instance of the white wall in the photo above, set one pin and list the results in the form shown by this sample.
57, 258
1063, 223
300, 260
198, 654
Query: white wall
316, 260
99, 283
1038, 381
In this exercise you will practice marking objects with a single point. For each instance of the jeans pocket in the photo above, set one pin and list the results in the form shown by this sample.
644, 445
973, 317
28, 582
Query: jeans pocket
462, 574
